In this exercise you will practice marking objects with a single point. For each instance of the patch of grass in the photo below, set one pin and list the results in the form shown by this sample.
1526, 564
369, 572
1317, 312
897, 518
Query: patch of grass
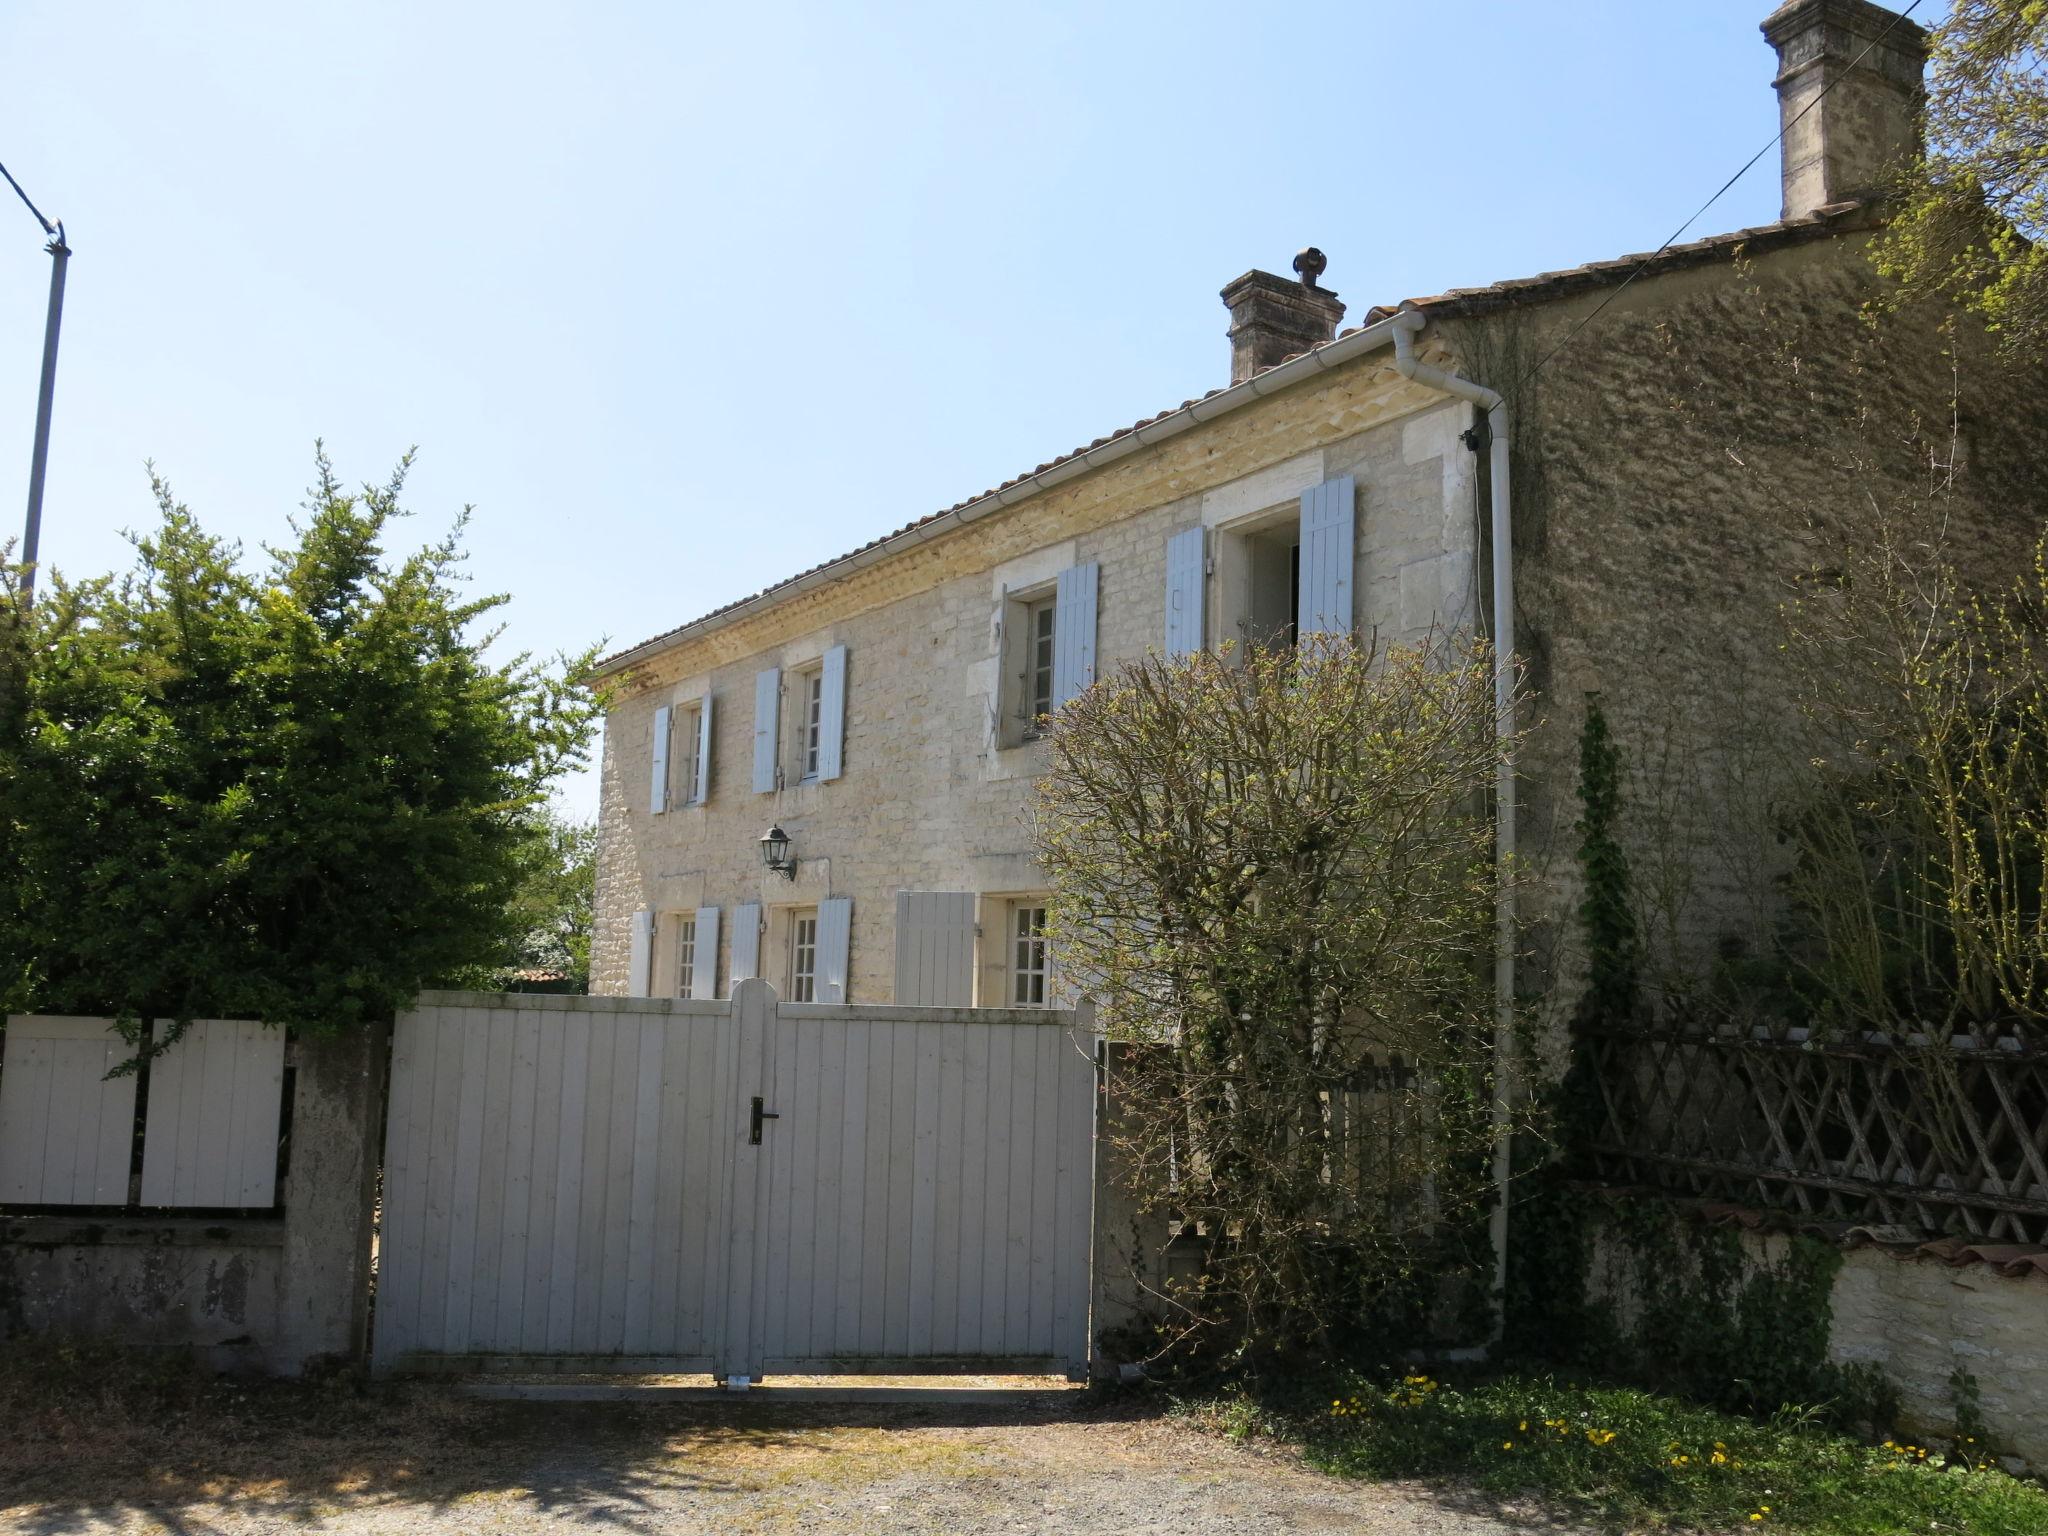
1632, 1457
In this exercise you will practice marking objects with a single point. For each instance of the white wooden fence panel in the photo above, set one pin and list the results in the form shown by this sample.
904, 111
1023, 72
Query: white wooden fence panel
216, 1098
539, 1171
66, 1129
957, 1202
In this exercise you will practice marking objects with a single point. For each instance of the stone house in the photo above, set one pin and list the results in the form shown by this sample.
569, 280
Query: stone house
877, 709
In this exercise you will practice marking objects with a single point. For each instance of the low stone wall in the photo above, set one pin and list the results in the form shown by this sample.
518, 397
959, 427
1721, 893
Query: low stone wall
1920, 1321
1926, 1324
277, 1295
209, 1286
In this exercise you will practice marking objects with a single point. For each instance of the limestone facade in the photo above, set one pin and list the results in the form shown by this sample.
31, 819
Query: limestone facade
936, 787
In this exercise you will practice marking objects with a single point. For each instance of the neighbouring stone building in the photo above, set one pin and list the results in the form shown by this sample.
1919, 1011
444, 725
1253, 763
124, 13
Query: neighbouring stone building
1667, 462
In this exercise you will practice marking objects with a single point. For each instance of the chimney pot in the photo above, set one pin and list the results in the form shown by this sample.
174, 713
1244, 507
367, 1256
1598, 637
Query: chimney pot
1272, 318
1870, 62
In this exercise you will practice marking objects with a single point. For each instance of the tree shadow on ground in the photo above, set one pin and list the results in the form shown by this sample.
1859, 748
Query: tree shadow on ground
180, 1457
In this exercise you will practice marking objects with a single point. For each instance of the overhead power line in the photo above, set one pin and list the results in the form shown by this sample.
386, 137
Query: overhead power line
1747, 166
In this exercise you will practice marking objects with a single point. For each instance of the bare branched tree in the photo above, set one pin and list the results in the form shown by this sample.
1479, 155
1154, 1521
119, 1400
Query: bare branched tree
1274, 871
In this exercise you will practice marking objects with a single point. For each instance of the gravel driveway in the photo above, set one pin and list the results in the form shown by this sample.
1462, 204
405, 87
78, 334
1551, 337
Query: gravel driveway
749, 1467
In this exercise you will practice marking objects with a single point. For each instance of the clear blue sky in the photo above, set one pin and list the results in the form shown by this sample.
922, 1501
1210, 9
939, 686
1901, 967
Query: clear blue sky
685, 298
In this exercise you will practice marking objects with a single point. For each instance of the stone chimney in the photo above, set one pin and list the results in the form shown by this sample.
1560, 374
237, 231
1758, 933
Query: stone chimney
1271, 318
1869, 120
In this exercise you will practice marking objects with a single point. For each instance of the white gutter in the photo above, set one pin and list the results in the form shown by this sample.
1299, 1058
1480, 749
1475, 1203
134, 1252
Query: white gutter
1407, 325
1334, 354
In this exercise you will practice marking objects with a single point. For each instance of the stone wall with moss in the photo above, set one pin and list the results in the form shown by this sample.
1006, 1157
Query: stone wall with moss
1713, 436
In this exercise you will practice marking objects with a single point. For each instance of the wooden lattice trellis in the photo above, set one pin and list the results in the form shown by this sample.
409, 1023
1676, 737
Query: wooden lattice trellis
1927, 1137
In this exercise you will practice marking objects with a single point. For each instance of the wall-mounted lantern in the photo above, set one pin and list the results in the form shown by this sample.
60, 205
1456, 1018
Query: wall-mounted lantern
775, 852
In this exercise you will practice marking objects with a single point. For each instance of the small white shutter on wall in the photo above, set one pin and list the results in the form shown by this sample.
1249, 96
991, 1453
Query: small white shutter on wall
640, 955
65, 1126
1185, 594
704, 962
832, 714
746, 944
703, 752
1073, 633
657, 779
935, 949
1326, 558
835, 928
215, 1100
767, 727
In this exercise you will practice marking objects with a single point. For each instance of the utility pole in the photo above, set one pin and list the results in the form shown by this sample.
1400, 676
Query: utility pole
53, 321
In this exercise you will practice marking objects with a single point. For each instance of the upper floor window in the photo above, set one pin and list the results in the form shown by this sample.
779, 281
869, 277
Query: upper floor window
807, 723
1030, 628
803, 956
1038, 675
1259, 570
685, 730
1288, 572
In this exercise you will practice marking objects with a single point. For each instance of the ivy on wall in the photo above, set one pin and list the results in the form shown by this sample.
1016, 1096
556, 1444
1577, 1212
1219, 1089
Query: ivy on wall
1634, 1286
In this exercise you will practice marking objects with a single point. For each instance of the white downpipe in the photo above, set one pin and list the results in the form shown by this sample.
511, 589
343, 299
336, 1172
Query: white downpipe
1406, 326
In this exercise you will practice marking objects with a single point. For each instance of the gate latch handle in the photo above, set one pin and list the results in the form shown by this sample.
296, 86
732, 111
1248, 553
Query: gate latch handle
760, 1114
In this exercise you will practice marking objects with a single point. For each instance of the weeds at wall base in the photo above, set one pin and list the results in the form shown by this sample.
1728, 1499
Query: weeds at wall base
1625, 1456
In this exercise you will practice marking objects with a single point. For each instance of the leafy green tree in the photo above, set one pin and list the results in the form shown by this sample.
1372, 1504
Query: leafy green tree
548, 947
1974, 207
292, 793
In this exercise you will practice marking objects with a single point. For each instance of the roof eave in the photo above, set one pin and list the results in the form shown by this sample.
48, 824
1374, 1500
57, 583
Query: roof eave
1334, 354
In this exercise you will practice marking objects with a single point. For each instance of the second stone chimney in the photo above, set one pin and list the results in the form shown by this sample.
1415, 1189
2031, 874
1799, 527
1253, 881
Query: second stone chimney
1271, 318
1870, 62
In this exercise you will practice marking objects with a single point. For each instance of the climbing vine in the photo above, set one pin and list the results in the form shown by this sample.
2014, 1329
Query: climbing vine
1613, 947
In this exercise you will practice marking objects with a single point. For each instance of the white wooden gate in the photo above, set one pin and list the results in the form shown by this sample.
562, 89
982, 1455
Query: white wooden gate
584, 1183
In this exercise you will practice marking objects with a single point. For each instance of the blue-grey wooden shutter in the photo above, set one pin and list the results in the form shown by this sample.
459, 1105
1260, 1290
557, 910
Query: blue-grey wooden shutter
746, 944
657, 782
767, 729
835, 928
704, 962
1073, 632
703, 753
640, 955
832, 714
935, 949
1326, 558
1186, 554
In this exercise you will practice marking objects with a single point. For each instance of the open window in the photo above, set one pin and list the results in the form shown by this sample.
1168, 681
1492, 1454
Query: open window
1287, 573
1258, 569
807, 722
1047, 651
1030, 631
680, 772
685, 761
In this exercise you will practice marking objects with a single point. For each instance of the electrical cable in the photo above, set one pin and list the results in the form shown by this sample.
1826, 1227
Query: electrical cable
1644, 264
54, 231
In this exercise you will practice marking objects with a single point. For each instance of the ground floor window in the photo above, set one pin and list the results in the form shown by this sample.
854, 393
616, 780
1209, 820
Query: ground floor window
803, 957
1027, 954
686, 956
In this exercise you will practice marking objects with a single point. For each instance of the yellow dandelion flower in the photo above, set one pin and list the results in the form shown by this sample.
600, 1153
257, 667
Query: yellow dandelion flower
1507, 1445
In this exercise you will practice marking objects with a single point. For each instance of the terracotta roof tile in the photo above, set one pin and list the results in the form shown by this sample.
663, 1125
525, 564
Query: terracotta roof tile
1451, 303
